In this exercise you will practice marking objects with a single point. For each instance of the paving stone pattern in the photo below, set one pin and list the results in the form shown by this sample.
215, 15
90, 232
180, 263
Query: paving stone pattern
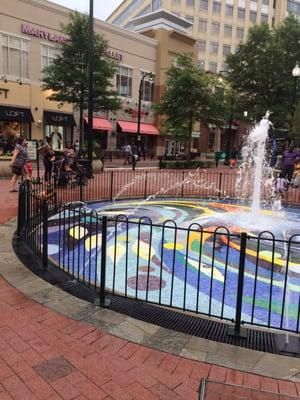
54, 346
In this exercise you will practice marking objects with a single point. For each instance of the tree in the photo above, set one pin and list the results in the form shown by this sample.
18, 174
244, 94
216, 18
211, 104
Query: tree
67, 75
261, 71
190, 95
296, 125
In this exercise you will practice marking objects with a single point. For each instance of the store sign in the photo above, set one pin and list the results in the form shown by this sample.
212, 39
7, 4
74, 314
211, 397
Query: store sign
41, 33
58, 119
32, 150
195, 134
14, 114
114, 55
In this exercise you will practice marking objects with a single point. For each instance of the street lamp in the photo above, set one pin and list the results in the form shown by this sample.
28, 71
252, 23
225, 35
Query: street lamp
140, 100
229, 129
91, 83
296, 75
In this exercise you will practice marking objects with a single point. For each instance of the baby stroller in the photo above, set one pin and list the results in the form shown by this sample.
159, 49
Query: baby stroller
63, 174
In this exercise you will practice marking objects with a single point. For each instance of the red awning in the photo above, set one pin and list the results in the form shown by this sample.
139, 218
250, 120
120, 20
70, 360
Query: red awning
131, 127
100, 124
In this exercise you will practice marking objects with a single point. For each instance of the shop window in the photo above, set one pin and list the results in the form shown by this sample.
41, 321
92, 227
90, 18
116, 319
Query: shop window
9, 130
57, 133
14, 56
49, 53
147, 88
124, 81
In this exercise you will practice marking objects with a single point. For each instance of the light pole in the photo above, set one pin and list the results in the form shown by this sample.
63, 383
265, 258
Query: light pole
91, 83
140, 100
296, 75
229, 129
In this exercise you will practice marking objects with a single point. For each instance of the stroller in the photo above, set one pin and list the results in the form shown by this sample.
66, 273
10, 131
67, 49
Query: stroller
68, 174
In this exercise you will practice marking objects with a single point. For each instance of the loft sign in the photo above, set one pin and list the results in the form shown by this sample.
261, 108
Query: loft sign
13, 113
59, 118
40, 33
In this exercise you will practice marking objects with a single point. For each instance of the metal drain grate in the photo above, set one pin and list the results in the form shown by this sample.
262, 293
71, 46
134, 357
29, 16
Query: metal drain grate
193, 325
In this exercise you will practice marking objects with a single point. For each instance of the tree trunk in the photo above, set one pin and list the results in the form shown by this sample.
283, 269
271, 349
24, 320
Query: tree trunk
188, 154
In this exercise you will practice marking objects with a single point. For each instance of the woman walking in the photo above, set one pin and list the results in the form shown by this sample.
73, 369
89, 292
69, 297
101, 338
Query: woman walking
18, 162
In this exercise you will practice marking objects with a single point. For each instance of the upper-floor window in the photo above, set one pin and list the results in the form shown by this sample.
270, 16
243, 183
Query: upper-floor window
202, 45
241, 13
226, 49
212, 67
176, 2
264, 18
216, 7
253, 16
124, 81
49, 53
190, 3
213, 48
227, 30
266, 2
201, 64
147, 88
204, 5
189, 18
202, 25
215, 28
14, 56
156, 5
240, 33
229, 10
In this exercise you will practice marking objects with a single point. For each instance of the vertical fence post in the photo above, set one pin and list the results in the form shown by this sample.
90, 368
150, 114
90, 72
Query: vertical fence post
145, 191
28, 201
45, 234
111, 184
81, 187
236, 330
220, 184
21, 209
102, 301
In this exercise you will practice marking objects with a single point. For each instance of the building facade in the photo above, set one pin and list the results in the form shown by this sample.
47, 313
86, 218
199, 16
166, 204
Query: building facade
29, 40
218, 25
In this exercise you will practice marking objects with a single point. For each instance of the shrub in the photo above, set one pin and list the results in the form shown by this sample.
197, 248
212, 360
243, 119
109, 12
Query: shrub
185, 164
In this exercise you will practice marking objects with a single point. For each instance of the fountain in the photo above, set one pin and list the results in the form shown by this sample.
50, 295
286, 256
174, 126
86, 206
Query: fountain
175, 264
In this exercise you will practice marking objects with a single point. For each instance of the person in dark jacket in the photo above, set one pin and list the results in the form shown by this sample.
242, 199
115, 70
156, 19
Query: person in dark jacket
289, 159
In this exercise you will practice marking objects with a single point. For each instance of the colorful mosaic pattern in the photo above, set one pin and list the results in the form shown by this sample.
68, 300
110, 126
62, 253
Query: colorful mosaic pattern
187, 268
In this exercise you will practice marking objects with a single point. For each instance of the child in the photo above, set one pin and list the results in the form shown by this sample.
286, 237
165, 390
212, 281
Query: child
281, 184
28, 169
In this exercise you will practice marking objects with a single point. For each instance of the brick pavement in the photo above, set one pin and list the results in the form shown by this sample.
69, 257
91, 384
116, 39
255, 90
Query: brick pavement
47, 356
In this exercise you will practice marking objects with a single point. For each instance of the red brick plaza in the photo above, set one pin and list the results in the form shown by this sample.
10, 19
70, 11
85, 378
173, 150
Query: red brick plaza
47, 356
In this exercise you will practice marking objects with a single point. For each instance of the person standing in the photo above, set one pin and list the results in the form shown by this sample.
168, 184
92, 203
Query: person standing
289, 159
47, 152
18, 162
128, 153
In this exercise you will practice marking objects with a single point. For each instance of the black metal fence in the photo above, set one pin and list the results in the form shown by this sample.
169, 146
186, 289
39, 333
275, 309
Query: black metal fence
234, 277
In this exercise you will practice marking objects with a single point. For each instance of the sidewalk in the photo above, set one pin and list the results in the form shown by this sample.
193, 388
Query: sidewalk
48, 353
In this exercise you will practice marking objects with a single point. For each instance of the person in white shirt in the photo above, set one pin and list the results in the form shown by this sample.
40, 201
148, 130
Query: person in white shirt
128, 153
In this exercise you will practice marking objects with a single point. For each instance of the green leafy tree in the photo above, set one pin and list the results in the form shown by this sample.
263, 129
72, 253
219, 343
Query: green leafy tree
67, 75
261, 71
190, 95
296, 125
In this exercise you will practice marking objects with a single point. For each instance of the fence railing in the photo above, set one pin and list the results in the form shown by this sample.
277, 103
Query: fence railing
234, 277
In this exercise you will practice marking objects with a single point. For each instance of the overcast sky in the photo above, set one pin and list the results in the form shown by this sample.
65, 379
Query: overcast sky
102, 8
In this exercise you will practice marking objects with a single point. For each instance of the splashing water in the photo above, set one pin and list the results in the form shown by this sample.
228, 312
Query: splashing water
254, 175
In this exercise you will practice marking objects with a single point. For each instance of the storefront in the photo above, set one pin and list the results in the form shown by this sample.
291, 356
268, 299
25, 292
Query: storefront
101, 129
59, 126
14, 121
146, 140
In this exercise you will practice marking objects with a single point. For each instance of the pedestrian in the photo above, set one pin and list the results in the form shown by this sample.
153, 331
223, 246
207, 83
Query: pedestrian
18, 161
233, 159
47, 153
77, 147
128, 153
289, 159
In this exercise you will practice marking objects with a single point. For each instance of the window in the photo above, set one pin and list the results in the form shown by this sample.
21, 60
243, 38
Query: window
215, 28
49, 53
253, 16
127, 12
202, 45
264, 18
212, 67
201, 64
213, 48
241, 13
240, 33
227, 30
124, 81
156, 5
147, 88
266, 2
216, 7
229, 10
204, 5
190, 3
176, 2
14, 55
202, 25
226, 50
189, 18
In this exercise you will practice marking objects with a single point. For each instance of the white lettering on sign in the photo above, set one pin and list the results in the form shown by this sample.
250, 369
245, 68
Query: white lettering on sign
13, 113
59, 118
114, 55
40, 33
32, 150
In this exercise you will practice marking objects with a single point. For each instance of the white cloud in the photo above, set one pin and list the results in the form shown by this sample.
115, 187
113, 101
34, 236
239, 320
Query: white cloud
102, 9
